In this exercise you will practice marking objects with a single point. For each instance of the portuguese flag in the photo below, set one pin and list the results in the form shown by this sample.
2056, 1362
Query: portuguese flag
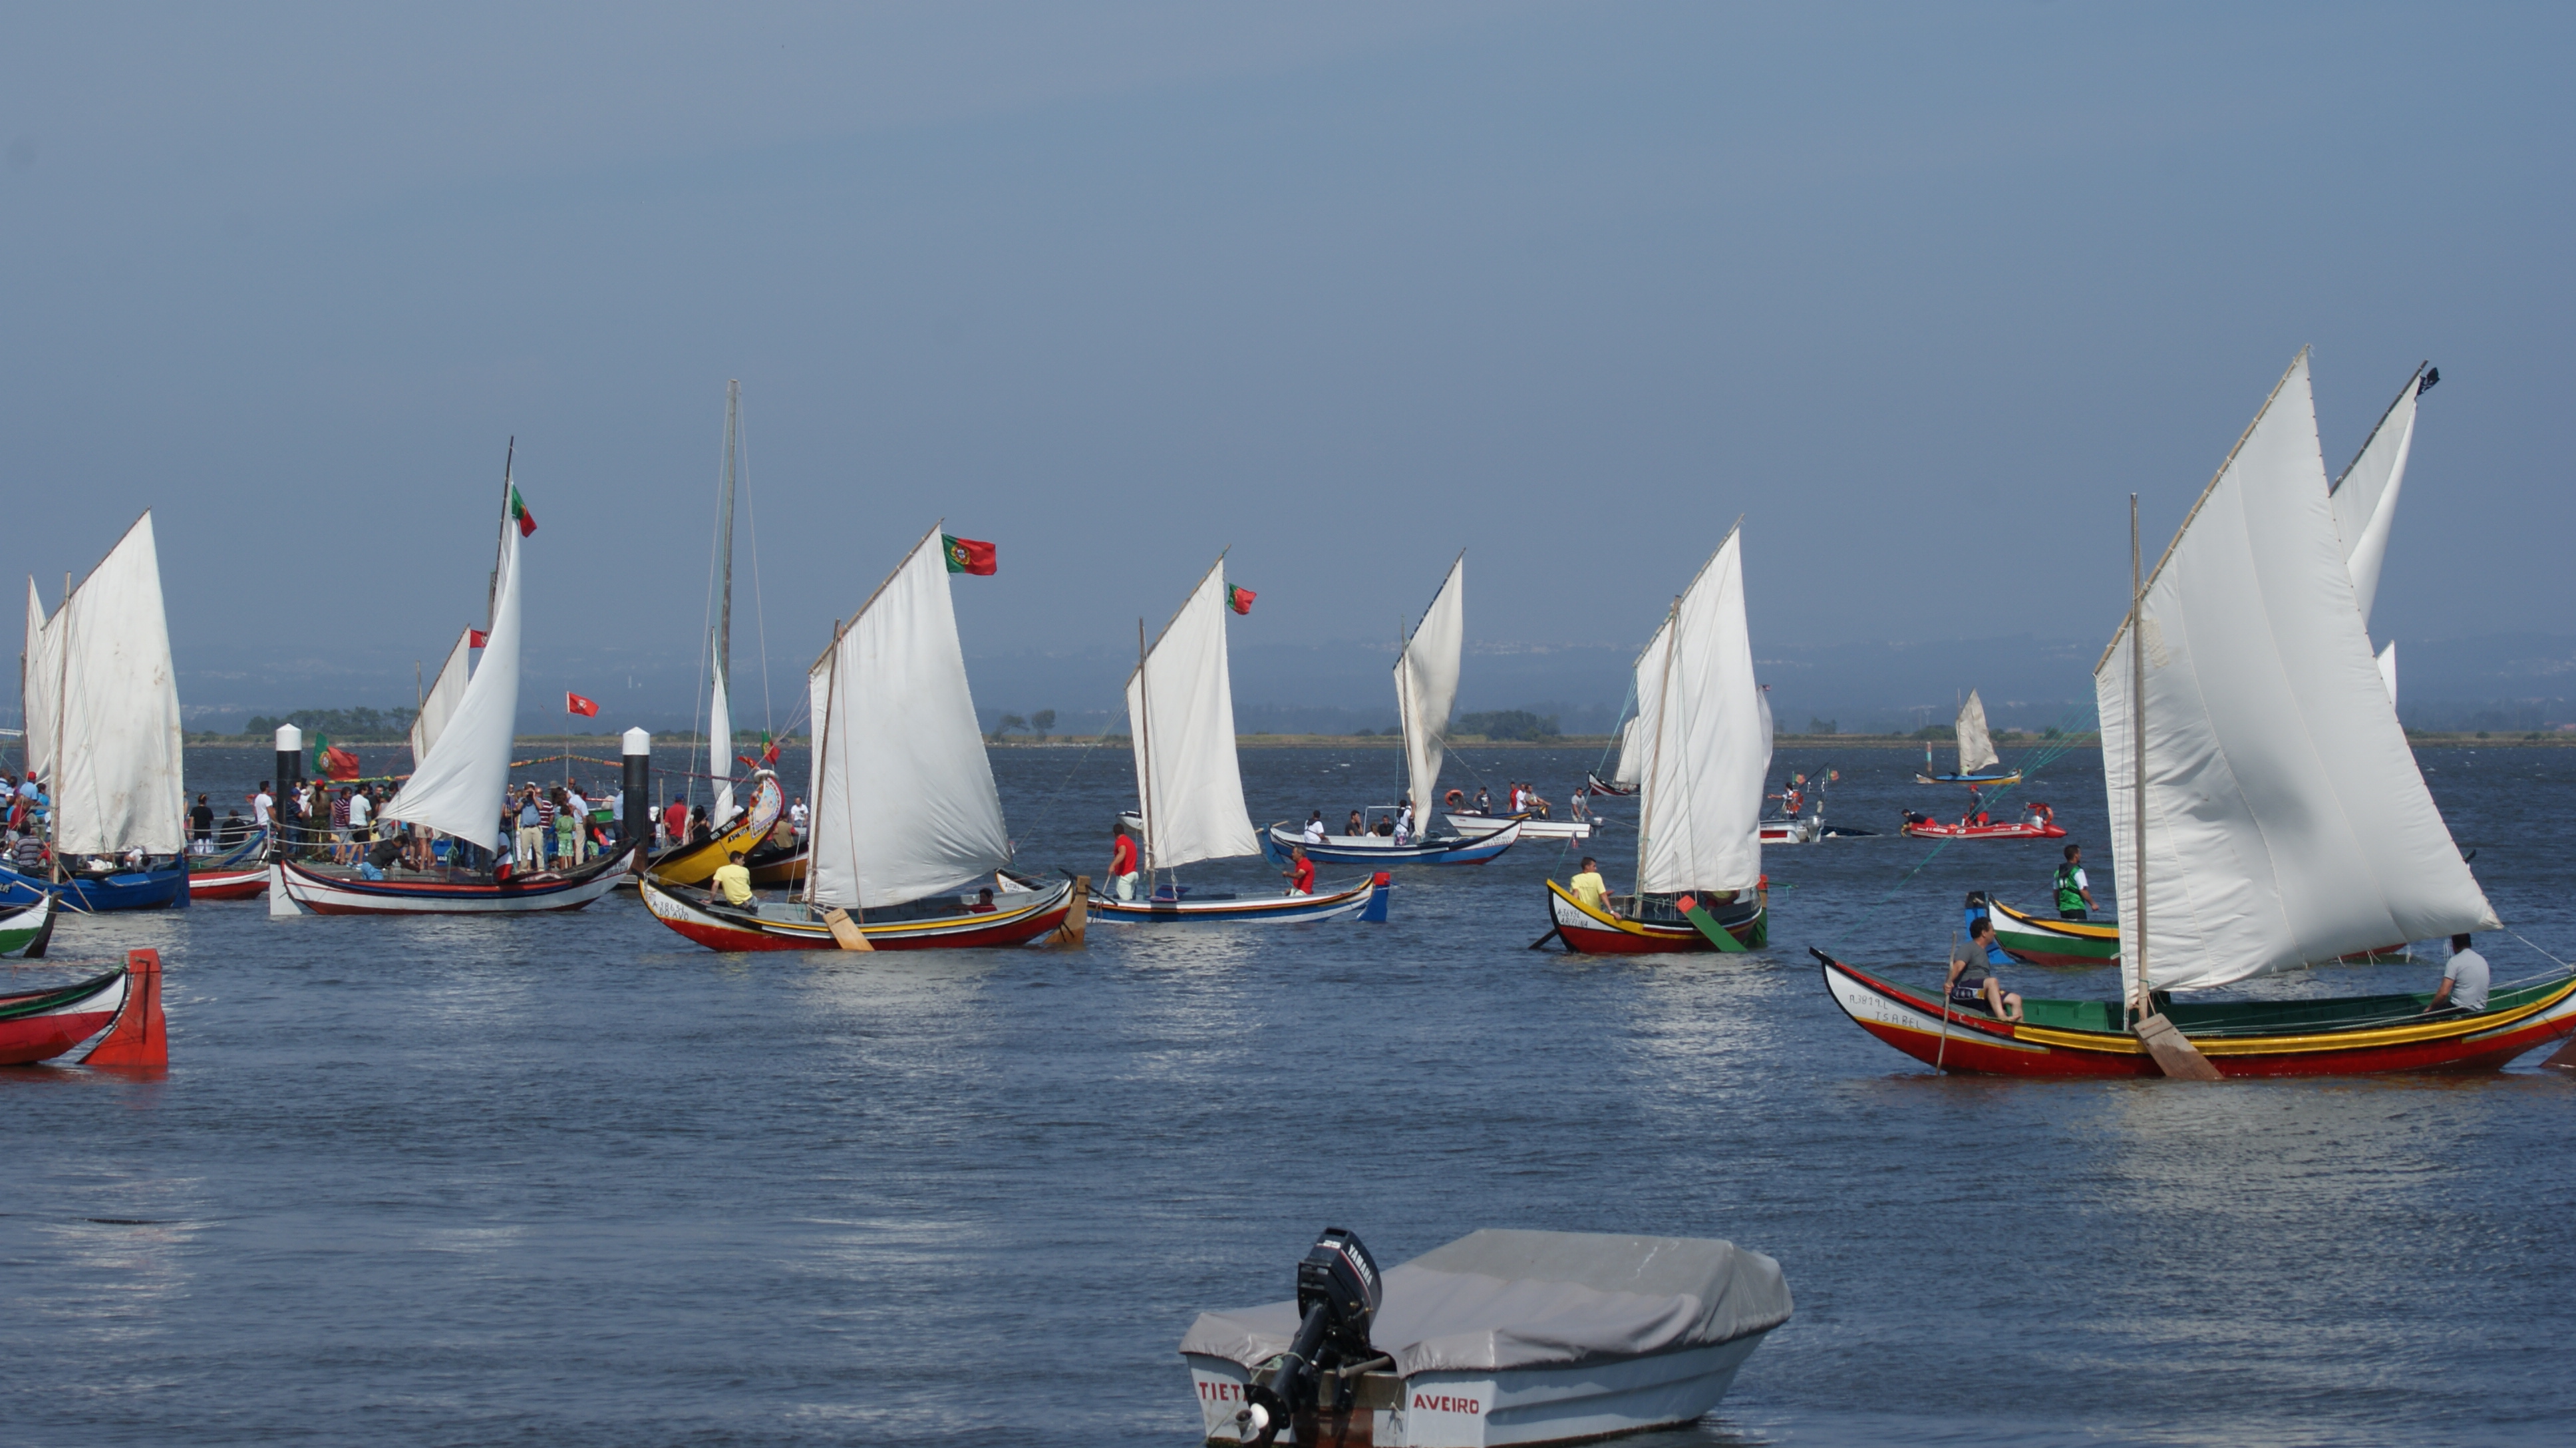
330, 761
1239, 599
519, 513
965, 555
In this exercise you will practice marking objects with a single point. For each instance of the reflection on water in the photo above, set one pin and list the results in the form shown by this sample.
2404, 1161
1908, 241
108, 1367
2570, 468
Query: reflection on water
572, 1178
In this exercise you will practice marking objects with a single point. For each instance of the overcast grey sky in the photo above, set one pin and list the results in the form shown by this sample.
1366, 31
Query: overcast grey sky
1923, 292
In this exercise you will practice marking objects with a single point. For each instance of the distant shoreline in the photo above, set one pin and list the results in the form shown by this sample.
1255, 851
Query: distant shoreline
610, 742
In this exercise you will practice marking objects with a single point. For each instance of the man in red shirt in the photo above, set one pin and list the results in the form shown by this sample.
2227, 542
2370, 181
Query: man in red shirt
1122, 865
1300, 872
675, 821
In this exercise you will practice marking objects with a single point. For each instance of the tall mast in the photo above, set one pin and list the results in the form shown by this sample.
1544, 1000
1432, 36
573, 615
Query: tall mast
1655, 760
1145, 752
2138, 748
492, 594
724, 625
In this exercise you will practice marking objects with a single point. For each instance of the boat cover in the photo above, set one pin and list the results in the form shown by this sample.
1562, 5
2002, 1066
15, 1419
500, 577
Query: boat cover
1511, 1299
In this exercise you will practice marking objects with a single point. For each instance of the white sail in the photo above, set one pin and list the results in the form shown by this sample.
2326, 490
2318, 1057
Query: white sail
2388, 671
1976, 749
720, 751
1426, 688
1707, 746
115, 775
439, 704
41, 671
2286, 819
904, 803
1180, 714
2365, 497
1649, 674
458, 789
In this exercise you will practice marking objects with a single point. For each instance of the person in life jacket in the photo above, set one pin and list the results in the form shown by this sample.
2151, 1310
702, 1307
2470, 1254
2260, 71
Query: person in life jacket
2074, 892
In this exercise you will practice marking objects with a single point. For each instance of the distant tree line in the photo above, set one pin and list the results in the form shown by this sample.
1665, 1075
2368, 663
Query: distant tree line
1508, 724
1039, 724
339, 723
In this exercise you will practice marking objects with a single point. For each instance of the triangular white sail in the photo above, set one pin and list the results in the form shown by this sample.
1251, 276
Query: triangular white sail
1180, 714
458, 789
720, 751
439, 704
2388, 671
1707, 742
2286, 819
904, 803
115, 769
41, 671
1976, 749
1426, 688
1649, 674
2365, 497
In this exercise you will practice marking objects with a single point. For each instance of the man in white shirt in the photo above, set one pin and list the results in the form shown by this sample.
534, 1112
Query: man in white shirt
580, 811
2464, 980
359, 807
260, 804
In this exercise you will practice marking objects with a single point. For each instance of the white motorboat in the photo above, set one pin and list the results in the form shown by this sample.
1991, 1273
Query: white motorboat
1501, 1337
1476, 826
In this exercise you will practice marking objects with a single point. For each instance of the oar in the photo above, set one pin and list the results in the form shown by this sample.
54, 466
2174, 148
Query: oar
1708, 926
1541, 942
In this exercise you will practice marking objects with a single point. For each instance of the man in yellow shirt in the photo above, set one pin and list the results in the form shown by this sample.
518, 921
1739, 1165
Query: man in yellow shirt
733, 881
1589, 889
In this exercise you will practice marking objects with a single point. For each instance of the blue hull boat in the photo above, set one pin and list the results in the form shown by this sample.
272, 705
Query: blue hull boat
159, 889
1382, 850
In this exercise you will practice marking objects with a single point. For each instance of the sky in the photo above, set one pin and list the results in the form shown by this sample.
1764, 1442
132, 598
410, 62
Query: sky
1921, 293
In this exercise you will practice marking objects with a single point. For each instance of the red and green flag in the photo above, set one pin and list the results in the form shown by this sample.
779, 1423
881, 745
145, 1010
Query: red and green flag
1238, 599
519, 513
330, 761
768, 754
965, 555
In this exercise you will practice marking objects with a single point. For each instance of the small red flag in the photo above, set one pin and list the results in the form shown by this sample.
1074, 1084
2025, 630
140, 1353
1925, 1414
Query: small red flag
476, 638
576, 704
1239, 599
339, 763
965, 555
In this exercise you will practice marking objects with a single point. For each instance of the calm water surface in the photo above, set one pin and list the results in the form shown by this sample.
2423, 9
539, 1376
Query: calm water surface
572, 1180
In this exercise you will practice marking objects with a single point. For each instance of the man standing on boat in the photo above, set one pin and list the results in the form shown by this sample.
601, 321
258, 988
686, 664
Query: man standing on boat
2074, 892
1589, 887
1122, 865
2464, 980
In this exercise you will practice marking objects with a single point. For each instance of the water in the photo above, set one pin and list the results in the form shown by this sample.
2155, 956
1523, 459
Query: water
572, 1180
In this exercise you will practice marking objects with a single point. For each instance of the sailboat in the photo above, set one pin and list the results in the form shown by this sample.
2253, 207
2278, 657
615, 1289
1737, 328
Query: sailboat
1704, 748
1977, 762
1189, 788
458, 789
906, 818
2365, 503
731, 828
102, 719
2266, 812
1426, 689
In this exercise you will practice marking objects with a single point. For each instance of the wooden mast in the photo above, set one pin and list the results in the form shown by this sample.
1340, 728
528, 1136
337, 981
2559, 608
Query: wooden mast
1646, 776
2172, 1051
1145, 755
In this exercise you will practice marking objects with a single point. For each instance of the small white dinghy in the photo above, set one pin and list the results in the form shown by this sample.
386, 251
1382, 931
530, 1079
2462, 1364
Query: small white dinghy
1499, 1337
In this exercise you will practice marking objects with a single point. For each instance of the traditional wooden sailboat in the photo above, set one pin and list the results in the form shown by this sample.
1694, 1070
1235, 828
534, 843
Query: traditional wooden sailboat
2266, 811
1977, 761
905, 810
38, 1025
102, 716
1426, 690
744, 829
1189, 787
25, 929
1703, 741
458, 790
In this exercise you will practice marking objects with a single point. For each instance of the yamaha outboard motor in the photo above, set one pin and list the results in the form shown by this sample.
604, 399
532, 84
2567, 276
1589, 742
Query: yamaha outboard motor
1337, 1297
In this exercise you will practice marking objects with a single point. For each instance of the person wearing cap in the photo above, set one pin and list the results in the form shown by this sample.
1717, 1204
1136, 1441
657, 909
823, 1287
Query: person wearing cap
2464, 980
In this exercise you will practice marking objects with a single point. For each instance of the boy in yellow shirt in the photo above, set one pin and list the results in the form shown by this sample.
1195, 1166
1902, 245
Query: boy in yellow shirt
733, 881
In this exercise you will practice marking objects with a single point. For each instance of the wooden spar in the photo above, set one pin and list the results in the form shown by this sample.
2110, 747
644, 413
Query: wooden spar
492, 593
62, 691
1655, 756
1145, 755
724, 628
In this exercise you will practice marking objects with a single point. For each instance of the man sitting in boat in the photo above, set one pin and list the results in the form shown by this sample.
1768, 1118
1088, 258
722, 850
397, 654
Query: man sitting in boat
983, 902
733, 881
1357, 827
2074, 892
1122, 865
1589, 887
1972, 982
1300, 872
1314, 834
2464, 980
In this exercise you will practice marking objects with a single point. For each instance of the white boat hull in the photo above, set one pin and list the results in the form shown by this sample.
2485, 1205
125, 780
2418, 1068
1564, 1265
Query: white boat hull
1488, 1409
1476, 827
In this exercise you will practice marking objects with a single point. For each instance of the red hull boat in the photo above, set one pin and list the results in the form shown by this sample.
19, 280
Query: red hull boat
38, 1025
247, 884
1587, 931
2043, 827
2346, 1036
